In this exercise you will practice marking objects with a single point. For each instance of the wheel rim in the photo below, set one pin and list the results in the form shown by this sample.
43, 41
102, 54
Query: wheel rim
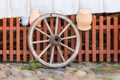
54, 40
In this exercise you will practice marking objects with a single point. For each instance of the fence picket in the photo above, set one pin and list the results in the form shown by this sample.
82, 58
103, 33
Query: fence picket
18, 39
24, 44
87, 46
65, 42
52, 29
108, 38
104, 48
72, 33
38, 38
45, 38
80, 51
94, 39
11, 39
101, 38
115, 39
4, 40
59, 30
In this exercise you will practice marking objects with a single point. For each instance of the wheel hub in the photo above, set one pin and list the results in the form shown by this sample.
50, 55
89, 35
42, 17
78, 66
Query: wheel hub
55, 40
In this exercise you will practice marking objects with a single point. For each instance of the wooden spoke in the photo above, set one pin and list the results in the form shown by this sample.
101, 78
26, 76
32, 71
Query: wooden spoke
52, 55
44, 51
61, 54
42, 41
48, 26
53, 38
42, 32
70, 37
56, 25
67, 47
66, 27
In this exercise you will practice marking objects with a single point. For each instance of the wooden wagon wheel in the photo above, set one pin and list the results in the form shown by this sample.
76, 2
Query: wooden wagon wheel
54, 40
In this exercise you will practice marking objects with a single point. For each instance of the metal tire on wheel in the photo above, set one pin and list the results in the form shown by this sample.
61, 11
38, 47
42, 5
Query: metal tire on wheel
54, 40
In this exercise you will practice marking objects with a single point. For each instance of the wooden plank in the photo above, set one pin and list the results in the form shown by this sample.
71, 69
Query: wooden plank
11, 39
119, 41
101, 38
73, 41
72, 34
4, 40
115, 39
87, 46
24, 44
97, 27
94, 39
52, 29
65, 42
83, 51
44, 38
38, 39
80, 51
18, 39
59, 30
108, 39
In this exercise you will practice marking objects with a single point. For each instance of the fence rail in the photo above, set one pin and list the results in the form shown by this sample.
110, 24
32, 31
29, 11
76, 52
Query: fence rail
101, 43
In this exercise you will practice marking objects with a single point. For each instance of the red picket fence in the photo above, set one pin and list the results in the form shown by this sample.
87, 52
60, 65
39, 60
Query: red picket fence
101, 43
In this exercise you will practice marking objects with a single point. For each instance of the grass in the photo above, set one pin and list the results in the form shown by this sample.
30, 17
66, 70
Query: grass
49, 79
75, 70
107, 79
33, 65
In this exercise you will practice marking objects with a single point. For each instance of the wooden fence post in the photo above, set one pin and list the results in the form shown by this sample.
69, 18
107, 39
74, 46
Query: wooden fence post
59, 30
18, 39
4, 40
108, 38
65, 42
11, 39
24, 43
101, 52
94, 39
87, 46
115, 39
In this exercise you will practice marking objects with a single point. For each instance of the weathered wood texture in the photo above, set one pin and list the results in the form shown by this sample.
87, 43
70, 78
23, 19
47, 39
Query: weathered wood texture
101, 43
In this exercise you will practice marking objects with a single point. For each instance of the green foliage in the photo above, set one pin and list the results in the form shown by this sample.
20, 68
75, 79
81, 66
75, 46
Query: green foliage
85, 63
102, 70
33, 65
50, 79
75, 70
107, 78
41, 79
